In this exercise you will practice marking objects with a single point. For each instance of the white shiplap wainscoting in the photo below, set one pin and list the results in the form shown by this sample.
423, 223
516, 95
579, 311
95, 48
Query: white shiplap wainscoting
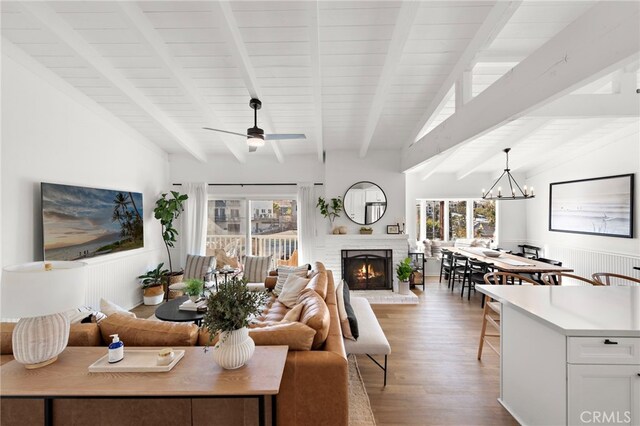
334, 244
113, 277
586, 262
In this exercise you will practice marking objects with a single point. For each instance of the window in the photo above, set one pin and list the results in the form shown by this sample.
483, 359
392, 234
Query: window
484, 219
271, 229
459, 218
433, 220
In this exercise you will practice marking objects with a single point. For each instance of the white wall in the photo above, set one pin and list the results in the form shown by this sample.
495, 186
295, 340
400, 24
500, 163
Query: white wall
510, 214
48, 136
587, 253
344, 168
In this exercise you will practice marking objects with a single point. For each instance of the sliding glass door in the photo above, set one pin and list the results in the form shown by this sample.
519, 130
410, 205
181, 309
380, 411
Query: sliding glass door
257, 227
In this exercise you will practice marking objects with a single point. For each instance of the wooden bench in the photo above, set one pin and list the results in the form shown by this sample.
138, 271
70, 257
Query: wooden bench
372, 340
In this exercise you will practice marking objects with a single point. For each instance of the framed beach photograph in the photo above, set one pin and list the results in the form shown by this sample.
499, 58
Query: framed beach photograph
598, 206
393, 229
80, 222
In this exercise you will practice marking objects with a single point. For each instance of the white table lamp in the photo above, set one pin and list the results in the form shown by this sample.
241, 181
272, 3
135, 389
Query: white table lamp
39, 293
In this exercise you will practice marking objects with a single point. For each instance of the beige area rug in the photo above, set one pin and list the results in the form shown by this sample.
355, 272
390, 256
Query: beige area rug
378, 297
360, 413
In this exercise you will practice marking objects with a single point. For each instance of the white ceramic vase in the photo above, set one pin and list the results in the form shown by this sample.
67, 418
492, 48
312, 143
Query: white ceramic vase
234, 349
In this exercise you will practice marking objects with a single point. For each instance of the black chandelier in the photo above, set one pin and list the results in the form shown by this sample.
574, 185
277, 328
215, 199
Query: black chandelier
513, 185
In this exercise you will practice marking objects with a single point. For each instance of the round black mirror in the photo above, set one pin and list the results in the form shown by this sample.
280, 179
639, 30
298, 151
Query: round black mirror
365, 203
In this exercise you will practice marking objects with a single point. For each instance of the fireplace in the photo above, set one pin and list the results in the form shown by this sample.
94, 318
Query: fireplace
367, 269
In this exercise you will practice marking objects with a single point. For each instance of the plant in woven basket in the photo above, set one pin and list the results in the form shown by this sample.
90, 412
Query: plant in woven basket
231, 307
404, 270
153, 278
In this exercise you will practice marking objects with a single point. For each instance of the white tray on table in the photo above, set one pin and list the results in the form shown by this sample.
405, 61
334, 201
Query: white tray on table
135, 361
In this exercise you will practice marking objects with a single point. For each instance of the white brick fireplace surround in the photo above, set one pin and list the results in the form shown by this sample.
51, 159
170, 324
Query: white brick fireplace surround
334, 244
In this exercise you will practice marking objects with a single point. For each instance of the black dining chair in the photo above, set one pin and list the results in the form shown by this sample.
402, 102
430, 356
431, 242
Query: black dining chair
538, 276
458, 269
445, 264
475, 272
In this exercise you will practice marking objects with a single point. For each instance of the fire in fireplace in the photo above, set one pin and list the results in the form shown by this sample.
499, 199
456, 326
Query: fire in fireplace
367, 269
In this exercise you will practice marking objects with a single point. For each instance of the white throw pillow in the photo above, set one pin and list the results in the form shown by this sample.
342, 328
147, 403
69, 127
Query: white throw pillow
294, 314
292, 289
283, 273
342, 312
109, 308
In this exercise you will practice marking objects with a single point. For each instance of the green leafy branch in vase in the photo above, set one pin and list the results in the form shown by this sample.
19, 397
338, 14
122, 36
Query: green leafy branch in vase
333, 210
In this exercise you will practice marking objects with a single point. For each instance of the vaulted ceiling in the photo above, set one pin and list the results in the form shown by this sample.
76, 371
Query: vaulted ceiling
363, 75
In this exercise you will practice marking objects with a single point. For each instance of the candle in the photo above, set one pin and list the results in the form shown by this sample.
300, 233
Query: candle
525, 191
499, 191
483, 192
532, 191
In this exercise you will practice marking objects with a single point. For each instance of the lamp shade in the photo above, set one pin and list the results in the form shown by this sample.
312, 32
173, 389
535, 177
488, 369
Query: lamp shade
31, 290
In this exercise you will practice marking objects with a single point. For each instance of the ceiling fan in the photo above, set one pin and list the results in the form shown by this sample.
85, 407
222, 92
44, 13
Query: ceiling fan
255, 135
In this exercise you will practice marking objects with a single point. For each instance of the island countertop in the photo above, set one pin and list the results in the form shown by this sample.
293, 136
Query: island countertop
575, 310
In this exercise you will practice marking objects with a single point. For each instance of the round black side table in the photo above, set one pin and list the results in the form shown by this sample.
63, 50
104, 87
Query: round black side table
170, 311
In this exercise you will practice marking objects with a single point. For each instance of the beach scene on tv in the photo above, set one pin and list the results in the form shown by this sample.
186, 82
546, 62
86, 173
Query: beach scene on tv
81, 222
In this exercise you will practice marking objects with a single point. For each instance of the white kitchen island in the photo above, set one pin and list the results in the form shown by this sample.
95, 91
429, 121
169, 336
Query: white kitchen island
569, 355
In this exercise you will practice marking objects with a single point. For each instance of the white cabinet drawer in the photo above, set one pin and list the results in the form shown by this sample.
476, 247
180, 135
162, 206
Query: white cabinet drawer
603, 350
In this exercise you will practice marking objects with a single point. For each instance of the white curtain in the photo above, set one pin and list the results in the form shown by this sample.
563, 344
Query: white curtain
194, 224
306, 223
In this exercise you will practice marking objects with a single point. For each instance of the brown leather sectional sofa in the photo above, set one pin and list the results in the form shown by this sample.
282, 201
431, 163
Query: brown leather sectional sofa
314, 388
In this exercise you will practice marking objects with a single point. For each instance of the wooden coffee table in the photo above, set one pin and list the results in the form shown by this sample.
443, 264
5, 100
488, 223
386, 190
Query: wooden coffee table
170, 311
195, 376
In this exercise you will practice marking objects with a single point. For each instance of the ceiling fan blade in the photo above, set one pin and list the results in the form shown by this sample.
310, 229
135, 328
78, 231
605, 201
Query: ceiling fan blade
224, 131
284, 136
253, 148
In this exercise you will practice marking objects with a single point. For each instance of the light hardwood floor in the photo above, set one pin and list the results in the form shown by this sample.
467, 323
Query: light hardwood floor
434, 377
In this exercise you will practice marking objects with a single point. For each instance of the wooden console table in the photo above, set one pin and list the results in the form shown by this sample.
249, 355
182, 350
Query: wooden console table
195, 376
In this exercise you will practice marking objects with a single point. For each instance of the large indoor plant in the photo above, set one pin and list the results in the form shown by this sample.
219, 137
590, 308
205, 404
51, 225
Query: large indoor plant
152, 290
229, 311
168, 208
403, 272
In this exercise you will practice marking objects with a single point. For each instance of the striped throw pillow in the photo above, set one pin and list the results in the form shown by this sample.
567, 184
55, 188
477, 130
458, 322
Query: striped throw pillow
256, 268
283, 273
199, 266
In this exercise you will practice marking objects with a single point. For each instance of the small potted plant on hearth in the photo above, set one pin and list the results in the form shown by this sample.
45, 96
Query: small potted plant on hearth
403, 271
152, 290
193, 288
229, 311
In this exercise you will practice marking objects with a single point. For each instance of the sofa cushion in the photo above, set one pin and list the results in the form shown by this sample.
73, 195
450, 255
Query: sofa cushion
315, 314
296, 335
292, 289
274, 310
284, 272
142, 332
319, 283
86, 334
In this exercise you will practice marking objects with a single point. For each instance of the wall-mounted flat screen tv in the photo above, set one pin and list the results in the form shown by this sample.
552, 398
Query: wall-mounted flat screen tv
79, 222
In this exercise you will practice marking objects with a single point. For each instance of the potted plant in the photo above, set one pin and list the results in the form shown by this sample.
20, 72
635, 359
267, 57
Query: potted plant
193, 288
228, 313
166, 211
403, 271
366, 230
152, 290
330, 210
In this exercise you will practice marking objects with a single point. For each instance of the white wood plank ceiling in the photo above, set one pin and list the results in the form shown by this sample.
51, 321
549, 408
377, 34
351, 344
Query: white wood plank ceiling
361, 75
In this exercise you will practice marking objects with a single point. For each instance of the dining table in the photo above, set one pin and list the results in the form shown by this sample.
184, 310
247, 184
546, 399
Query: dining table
507, 262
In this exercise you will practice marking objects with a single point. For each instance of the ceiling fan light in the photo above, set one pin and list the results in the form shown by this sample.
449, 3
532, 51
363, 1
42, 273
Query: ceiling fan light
255, 142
